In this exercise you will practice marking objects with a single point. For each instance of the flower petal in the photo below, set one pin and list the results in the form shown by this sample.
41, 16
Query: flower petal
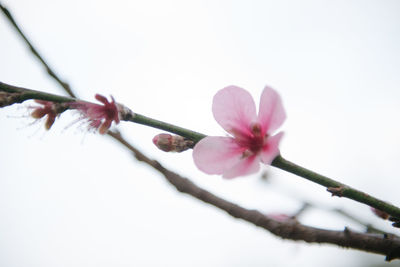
105, 126
215, 154
271, 148
234, 109
246, 166
271, 114
101, 98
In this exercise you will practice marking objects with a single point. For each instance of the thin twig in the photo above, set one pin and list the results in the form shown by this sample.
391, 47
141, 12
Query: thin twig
335, 187
368, 227
49, 70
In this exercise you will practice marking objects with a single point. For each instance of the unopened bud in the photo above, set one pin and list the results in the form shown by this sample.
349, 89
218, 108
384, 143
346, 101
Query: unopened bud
172, 143
38, 113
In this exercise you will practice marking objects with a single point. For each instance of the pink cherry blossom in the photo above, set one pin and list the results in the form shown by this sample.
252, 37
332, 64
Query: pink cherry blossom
99, 116
251, 140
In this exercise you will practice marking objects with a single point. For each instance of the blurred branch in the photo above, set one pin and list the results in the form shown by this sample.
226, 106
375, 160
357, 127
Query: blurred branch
306, 205
49, 70
384, 244
368, 227
377, 243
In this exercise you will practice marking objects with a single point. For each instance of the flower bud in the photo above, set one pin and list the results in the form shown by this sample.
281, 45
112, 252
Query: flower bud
172, 143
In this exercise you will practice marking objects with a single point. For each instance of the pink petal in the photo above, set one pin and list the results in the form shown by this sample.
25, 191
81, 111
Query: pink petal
271, 148
105, 126
101, 98
216, 154
246, 166
271, 114
234, 109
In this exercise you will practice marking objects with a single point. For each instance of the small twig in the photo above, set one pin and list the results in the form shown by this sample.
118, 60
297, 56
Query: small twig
368, 227
336, 188
303, 209
49, 70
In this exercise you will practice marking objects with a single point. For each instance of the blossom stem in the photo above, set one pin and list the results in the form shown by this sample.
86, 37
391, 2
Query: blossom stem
141, 119
334, 187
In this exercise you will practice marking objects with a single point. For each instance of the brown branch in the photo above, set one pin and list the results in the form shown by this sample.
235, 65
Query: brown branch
384, 244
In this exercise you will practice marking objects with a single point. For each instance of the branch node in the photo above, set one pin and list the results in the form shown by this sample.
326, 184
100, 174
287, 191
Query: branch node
336, 191
346, 231
385, 236
125, 114
394, 219
393, 254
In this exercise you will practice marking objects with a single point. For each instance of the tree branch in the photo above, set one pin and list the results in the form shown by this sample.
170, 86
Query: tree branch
385, 244
335, 187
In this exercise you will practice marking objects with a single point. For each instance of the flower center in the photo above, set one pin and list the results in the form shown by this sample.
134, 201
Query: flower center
253, 142
256, 141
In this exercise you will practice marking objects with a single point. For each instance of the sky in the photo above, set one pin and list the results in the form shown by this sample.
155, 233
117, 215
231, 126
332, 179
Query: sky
73, 198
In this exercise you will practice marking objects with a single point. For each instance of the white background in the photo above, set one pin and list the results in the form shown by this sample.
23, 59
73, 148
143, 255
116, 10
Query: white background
70, 198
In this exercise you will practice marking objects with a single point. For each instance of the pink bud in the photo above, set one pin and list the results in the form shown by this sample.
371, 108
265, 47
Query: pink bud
164, 142
172, 143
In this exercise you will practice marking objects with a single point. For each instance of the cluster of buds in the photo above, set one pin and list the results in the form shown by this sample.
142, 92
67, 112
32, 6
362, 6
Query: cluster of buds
48, 109
172, 143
